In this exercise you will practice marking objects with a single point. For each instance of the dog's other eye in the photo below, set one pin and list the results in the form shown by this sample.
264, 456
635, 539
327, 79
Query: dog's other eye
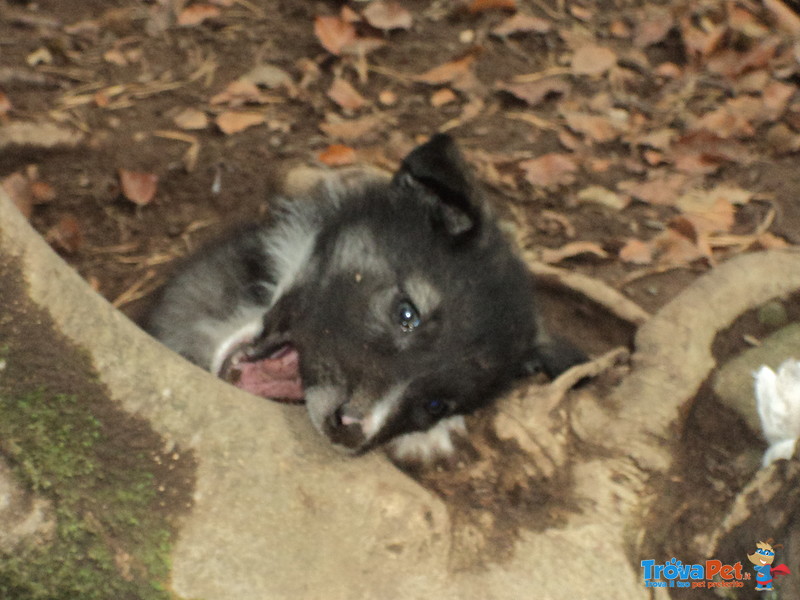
436, 407
407, 316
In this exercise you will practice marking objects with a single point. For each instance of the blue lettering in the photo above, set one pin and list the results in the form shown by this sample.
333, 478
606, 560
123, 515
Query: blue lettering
647, 565
697, 572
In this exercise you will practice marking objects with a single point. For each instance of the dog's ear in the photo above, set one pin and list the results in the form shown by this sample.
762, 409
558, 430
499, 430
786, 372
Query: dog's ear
439, 169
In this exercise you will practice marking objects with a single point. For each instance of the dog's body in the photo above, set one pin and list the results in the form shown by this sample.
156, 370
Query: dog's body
405, 304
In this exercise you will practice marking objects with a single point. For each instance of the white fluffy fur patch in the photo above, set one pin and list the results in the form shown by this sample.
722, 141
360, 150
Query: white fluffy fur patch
427, 447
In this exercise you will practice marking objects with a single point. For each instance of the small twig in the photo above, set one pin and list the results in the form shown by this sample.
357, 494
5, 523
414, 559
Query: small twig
531, 77
135, 292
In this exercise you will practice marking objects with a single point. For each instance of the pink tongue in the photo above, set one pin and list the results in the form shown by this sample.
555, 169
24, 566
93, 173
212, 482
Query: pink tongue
276, 378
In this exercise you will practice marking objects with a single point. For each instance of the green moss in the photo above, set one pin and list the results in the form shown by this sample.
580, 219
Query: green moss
109, 542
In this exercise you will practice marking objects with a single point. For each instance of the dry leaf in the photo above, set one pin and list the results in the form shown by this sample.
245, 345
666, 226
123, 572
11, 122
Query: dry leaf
360, 47
269, 76
334, 33
550, 171
139, 188
345, 95
191, 119
535, 92
231, 121
674, 249
599, 195
351, 129
593, 60
522, 23
662, 189
598, 129
571, 250
5, 105
442, 97
776, 96
42, 192
448, 72
337, 155
196, 14
654, 29
67, 234
349, 15
636, 252
243, 91
478, 6
387, 15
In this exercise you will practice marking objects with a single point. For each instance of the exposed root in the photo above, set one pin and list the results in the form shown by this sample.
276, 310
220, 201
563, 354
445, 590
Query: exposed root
595, 290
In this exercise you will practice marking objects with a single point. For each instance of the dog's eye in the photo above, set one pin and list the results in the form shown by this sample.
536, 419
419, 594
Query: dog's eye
408, 316
436, 407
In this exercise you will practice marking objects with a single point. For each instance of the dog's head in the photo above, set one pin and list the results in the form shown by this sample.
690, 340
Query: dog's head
410, 306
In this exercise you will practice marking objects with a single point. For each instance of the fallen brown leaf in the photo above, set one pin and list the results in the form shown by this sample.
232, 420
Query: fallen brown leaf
349, 15
269, 76
5, 105
387, 15
442, 97
535, 92
636, 252
673, 249
661, 189
191, 119
196, 14
598, 129
351, 129
653, 29
67, 234
550, 171
337, 155
138, 187
345, 95
477, 6
42, 192
230, 121
449, 71
599, 195
334, 33
593, 60
243, 91
522, 23
776, 96
734, 119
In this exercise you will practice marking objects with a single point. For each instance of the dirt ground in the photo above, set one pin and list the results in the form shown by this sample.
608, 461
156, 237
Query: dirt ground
636, 143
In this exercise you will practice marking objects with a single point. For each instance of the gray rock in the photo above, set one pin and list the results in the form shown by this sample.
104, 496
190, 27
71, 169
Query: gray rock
733, 383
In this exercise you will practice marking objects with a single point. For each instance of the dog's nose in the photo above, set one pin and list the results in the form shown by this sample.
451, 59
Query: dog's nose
344, 428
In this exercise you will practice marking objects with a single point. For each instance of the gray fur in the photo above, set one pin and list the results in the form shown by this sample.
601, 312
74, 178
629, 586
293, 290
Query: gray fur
336, 275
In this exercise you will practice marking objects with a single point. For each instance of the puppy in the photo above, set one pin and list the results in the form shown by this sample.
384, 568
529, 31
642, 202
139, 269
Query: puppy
391, 308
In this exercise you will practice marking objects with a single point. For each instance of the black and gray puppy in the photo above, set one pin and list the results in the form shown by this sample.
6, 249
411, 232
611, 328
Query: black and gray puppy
400, 302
